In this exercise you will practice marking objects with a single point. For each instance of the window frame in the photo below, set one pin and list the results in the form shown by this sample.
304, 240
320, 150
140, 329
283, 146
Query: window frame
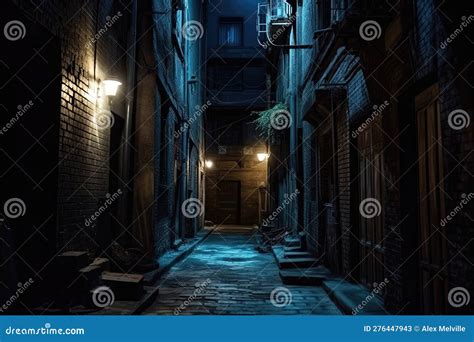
229, 21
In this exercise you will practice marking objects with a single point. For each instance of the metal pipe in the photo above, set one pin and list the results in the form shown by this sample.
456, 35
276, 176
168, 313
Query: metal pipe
129, 100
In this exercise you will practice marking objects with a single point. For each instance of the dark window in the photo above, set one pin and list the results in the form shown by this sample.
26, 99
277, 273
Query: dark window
324, 13
231, 31
226, 78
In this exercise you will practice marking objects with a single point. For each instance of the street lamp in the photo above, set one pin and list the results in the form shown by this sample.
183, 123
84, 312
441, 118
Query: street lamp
209, 164
111, 87
262, 156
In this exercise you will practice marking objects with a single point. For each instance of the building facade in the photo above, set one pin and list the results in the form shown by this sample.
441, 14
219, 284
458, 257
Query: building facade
93, 171
236, 86
373, 148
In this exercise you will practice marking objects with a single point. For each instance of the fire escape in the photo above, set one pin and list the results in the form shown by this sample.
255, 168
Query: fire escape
274, 21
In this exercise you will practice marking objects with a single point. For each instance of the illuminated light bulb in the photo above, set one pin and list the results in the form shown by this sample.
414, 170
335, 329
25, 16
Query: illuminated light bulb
111, 87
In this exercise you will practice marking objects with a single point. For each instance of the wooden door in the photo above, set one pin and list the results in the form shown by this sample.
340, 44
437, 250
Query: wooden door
371, 234
431, 203
228, 198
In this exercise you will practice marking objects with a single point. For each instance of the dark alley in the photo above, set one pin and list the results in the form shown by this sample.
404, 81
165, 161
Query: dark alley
224, 157
231, 278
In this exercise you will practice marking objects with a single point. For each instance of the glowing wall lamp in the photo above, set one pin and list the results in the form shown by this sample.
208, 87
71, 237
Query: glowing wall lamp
209, 164
111, 87
262, 156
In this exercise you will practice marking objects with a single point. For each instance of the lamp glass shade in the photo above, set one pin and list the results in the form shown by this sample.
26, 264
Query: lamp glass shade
111, 87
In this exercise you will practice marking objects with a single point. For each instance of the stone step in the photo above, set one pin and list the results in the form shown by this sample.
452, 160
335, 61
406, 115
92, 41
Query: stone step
293, 249
313, 276
134, 307
297, 263
354, 299
297, 254
90, 277
72, 261
125, 286
292, 242
103, 263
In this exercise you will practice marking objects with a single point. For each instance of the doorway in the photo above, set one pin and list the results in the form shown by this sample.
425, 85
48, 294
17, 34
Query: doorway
371, 232
431, 202
229, 202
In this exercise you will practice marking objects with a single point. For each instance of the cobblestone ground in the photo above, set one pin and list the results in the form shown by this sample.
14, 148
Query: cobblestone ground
225, 275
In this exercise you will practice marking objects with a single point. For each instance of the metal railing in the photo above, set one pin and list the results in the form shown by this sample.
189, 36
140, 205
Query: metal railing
279, 9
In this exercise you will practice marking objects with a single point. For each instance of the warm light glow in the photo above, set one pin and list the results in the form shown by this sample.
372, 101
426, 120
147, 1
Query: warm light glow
209, 164
262, 156
111, 87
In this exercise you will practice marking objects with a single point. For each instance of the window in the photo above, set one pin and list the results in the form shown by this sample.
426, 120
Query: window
338, 9
324, 13
228, 78
231, 31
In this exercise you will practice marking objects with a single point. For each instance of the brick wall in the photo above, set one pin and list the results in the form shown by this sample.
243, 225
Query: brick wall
246, 170
454, 75
84, 148
344, 195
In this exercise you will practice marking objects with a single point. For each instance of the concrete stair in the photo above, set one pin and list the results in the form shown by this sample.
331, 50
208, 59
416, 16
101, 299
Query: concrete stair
299, 267
125, 286
313, 276
298, 260
297, 263
131, 307
81, 276
292, 242
354, 299
296, 254
103, 263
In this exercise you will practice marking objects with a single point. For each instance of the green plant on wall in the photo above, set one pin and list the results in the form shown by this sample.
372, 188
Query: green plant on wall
268, 122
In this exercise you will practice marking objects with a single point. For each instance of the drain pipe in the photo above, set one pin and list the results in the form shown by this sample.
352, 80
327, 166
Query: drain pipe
129, 101
184, 193
335, 171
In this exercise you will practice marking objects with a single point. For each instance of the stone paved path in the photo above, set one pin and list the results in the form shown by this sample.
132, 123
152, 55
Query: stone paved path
226, 275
